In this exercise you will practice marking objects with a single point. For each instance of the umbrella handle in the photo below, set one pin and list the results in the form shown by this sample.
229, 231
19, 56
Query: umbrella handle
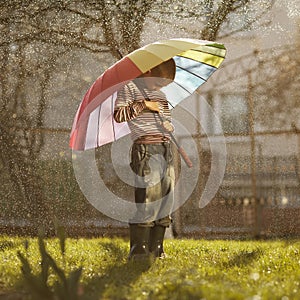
185, 157
179, 148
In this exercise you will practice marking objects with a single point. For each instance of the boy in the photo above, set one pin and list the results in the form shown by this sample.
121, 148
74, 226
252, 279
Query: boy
145, 108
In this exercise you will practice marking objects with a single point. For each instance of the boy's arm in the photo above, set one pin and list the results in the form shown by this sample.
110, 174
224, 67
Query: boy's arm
129, 111
125, 107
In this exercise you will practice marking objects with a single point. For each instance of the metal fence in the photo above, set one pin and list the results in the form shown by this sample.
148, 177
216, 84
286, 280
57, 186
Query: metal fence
259, 195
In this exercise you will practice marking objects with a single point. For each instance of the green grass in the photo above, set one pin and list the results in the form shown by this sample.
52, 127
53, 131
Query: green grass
194, 269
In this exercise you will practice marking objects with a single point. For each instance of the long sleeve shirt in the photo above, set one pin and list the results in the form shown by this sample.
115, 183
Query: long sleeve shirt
144, 124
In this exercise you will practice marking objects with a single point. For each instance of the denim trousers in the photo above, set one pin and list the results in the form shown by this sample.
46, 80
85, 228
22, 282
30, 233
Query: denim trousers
154, 183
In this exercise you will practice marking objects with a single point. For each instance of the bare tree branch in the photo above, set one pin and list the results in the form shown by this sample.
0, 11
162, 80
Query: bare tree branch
34, 34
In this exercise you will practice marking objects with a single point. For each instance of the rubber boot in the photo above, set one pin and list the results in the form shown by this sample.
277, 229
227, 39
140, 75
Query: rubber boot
139, 242
156, 240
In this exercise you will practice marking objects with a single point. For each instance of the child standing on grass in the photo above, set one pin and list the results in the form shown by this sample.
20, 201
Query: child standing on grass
146, 109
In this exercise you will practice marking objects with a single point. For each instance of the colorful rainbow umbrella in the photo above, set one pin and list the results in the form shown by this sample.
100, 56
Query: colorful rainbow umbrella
195, 60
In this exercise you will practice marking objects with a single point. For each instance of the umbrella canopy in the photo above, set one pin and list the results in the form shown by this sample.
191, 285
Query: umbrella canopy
195, 60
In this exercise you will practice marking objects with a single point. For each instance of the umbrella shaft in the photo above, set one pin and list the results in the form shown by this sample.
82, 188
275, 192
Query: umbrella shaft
179, 148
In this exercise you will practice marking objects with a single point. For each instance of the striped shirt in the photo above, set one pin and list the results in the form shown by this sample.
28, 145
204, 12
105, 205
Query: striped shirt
144, 124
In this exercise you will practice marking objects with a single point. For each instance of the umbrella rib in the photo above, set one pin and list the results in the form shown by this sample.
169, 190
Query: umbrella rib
221, 56
182, 88
98, 131
196, 61
112, 119
171, 104
191, 73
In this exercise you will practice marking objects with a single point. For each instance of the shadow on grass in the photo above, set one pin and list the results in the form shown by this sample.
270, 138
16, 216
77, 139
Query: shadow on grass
244, 257
117, 278
8, 245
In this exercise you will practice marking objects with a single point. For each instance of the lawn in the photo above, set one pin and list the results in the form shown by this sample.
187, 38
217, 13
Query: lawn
194, 269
